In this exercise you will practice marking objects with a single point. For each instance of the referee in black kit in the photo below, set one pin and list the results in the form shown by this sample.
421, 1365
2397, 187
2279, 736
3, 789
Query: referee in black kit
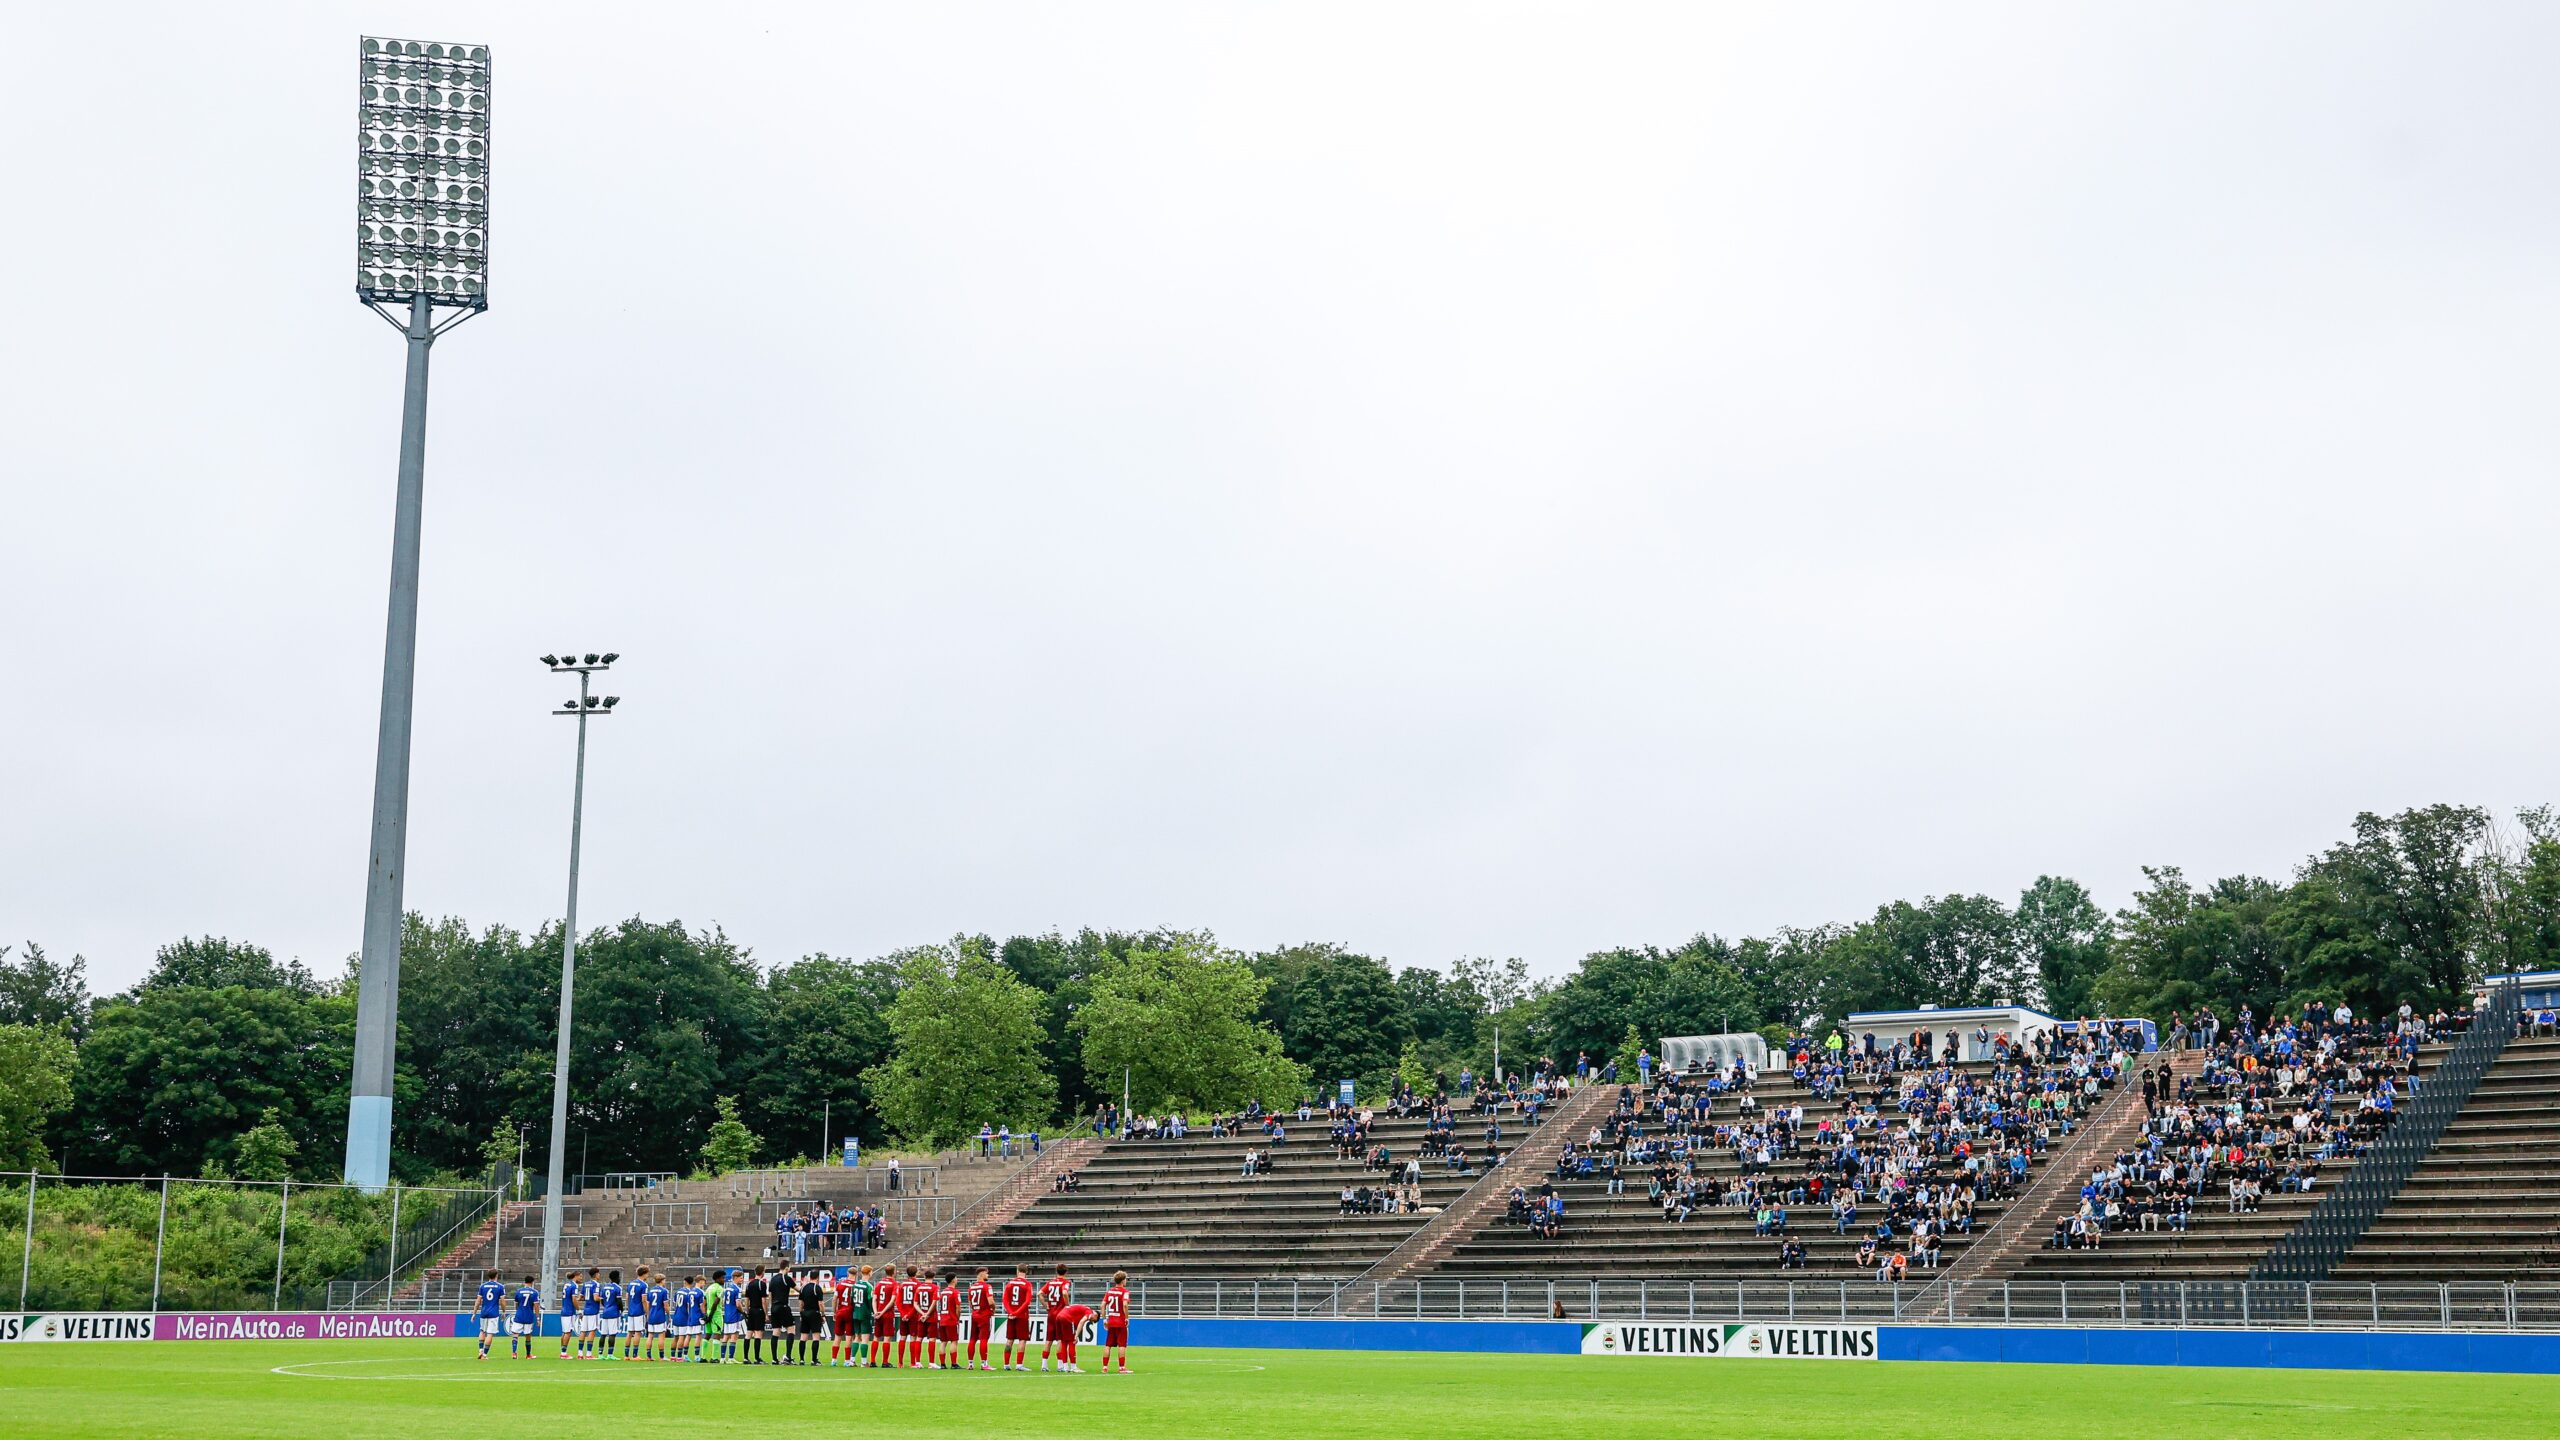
777, 1293
755, 1291
813, 1316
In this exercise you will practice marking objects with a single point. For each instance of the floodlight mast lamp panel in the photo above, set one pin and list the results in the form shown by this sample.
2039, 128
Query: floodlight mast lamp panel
422, 172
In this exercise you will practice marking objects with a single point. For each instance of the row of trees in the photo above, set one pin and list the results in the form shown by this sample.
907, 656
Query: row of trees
225, 1058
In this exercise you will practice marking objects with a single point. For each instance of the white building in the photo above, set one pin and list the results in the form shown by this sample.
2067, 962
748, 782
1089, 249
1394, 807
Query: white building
1887, 1028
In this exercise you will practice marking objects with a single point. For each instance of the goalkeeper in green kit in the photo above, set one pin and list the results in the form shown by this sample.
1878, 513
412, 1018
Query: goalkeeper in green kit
854, 1314
719, 1313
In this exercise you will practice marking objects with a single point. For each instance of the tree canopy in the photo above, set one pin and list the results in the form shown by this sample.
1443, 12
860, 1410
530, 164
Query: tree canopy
964, 1051
224, 1056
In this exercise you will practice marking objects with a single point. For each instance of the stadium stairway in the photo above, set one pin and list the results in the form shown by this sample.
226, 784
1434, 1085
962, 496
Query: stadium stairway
2218, 1246
1462, 1217
1180, 1211
727, 1220
457, 1272
997, 1207
2053, 1190
1617, 1238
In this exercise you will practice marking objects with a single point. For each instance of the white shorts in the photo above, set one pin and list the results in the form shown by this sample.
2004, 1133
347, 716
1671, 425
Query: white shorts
658, 1327
492, 1325
604, 1324
524, 1327
688, 1330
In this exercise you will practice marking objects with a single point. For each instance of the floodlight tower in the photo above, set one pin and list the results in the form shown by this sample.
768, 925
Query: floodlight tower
422, 245
586, 707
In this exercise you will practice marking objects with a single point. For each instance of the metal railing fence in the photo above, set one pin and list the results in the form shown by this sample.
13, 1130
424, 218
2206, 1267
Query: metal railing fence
126, 1243
2232, 1304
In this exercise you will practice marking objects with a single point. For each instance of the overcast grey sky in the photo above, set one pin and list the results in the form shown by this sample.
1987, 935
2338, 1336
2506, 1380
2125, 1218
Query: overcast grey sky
1451, 479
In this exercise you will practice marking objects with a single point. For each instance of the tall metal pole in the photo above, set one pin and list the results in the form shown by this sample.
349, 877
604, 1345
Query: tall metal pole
568, 984
391, 1281
284, 1207
159, 1244
27, 1253
378, 986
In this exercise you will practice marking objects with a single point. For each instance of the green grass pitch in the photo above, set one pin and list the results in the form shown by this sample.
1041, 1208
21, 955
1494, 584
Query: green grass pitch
434, 1390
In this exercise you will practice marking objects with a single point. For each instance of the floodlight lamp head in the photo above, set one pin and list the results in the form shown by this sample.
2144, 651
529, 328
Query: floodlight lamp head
591, 657
612, 700
550, 659
611, 656
415, 103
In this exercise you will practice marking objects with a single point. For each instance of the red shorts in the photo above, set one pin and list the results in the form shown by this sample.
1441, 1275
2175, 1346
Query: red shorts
884, 1326
1116, 1333
1017, 1328
844, 1322
950, 1326
982, 1323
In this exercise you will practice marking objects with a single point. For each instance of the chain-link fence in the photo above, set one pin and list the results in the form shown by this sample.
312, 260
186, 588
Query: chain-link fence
2199, 1304
163, 1243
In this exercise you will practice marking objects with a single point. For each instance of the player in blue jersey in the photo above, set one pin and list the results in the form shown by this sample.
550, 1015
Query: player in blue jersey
527, 1324
679, 1304
635, 1318
590, 1314
568, 1309
658, 1318
493, 1296
608, 1321
689, 1337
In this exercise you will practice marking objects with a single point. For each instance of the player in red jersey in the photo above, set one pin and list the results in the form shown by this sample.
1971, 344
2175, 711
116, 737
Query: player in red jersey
1115, 1321
915, 1315
930, 1300
896, 1289
1068, 1324
1017, 1318
1055, 1292
840, 1333
884, 1316
982, 1318
947, 1322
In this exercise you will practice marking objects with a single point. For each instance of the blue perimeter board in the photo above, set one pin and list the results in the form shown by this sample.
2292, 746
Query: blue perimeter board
2270, 1349
2484, 1352
1508, 1337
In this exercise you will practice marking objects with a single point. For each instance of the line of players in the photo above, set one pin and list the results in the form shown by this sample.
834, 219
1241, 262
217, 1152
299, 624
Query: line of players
864, 1320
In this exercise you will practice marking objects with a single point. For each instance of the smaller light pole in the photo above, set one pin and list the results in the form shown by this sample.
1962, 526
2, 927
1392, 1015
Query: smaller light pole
584, 707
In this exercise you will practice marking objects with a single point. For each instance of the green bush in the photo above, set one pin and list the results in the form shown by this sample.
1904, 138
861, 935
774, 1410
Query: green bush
93, 1243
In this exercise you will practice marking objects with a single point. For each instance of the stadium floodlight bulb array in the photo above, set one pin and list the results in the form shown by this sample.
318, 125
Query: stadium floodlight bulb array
422, 173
